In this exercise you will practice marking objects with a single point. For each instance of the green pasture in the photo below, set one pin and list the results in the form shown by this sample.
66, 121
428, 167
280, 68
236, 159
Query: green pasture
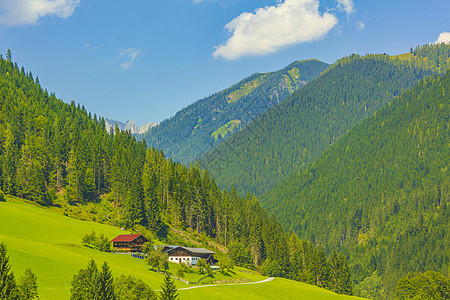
50, 244
238, 274
279, 288
405, 56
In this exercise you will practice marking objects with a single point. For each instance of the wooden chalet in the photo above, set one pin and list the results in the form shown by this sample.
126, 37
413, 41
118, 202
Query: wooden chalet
129, 242
188, 255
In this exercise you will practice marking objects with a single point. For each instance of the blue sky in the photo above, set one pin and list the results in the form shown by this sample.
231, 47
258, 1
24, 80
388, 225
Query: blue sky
146, 59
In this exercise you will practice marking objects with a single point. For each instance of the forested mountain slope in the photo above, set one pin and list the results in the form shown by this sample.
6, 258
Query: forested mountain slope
206, 123
381, 192
292, 134
51, 151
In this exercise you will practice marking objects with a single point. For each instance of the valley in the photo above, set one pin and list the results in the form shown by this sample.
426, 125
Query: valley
331, 179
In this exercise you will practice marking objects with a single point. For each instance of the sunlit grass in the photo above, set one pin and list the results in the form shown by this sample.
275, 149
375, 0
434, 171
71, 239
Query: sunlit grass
50, 244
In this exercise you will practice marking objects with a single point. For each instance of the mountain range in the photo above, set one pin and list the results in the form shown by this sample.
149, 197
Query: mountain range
128, 126
208, 122
356, 161
295, 132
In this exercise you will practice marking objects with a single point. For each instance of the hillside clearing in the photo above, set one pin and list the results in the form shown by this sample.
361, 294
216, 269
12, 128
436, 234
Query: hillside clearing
278, 288
50, 244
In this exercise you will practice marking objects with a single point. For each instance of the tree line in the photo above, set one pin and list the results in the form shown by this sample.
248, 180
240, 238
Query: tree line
52, 150
381, 193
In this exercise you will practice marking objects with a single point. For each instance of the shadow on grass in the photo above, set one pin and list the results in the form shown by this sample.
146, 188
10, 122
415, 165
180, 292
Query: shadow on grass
227, 272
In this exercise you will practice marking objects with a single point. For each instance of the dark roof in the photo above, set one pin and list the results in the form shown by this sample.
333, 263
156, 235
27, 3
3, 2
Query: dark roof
191, 249
127, 237
199, 250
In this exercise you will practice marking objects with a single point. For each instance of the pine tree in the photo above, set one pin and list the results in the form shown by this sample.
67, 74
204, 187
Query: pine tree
340, 280
149, 184
168, 289
105, 284
84, 284
9, 55
28, 286
9, 161
335, 270
31, 171
345, 278
322, 271
74, 188
8, 287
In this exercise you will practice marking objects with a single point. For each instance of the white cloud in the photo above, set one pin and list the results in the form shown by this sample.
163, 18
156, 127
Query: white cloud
27, 12
129, 55
360, 25
269, 29
444, 37
91, 47
345, 5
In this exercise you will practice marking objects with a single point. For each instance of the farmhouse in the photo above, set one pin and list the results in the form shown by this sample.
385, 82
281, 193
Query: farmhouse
129, 242
188, 255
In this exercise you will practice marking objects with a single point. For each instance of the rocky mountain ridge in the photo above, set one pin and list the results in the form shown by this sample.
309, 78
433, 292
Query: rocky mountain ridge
129, 125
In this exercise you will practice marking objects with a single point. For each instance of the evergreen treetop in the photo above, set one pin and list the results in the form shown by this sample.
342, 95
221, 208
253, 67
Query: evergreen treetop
168, 289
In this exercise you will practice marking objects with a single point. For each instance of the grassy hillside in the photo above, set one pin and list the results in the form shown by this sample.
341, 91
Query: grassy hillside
279, 288
432, 56
212, 120
50, 244
382, 192
294, 133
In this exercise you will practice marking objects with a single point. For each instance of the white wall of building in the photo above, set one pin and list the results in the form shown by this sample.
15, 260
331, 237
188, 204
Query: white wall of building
188, 260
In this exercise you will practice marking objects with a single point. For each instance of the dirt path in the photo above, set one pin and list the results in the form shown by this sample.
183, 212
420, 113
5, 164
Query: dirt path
206, 285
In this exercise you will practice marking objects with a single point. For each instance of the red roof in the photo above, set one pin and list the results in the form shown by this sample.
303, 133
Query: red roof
126, 238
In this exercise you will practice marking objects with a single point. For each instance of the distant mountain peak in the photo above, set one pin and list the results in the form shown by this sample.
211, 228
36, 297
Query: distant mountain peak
207, 122
129, 126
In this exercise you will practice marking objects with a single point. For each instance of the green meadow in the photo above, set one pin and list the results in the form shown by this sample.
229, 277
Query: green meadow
279, 288
50, 244
227, 128
405, 56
